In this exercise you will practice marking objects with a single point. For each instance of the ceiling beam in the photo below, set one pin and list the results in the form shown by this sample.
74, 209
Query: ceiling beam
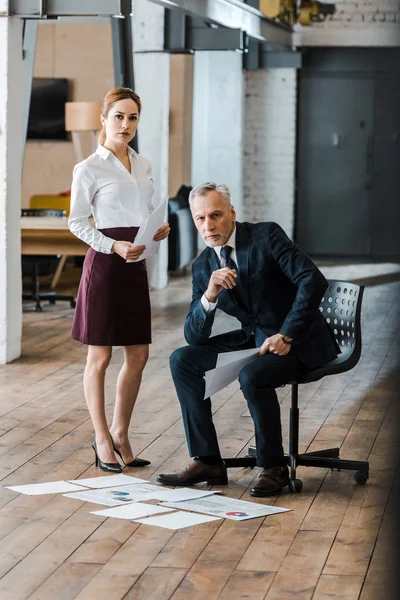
232, 14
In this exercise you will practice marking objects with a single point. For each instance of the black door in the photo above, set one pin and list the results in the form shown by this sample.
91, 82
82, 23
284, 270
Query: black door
334, 187
386, 169
348, 199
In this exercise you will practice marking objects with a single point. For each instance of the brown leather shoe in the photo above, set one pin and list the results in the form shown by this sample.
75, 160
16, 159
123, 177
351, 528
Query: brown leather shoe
271, 481
197, 472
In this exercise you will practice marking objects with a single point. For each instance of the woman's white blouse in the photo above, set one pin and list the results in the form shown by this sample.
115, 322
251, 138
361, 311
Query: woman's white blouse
104, 188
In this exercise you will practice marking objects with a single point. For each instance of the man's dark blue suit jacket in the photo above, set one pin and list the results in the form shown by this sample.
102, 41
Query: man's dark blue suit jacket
282, 289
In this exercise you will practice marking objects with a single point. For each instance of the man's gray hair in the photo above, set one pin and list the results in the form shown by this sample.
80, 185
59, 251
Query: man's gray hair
204, 188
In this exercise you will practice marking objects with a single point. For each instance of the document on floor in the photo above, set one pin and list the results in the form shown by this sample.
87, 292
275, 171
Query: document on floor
177, 520
182, 494
227, 369
107, 481
51, 487
134, 510
227, 508
148, 229
115, 496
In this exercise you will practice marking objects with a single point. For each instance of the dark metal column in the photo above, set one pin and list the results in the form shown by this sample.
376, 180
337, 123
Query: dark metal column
122, 42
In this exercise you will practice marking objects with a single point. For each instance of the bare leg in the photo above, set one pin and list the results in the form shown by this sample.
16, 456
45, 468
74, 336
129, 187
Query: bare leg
98, 359
128, 385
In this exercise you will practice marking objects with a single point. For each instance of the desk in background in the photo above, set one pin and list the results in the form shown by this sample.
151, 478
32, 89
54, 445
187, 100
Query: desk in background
50, 236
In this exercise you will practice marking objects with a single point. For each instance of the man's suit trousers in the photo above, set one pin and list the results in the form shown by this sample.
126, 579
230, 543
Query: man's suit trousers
258, 381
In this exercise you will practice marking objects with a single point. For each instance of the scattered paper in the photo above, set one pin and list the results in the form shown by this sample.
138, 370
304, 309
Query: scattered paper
182, 494
134, 510
177, 520
228, 367
51, 487
148, 229
107, 481
228, 508
115, 496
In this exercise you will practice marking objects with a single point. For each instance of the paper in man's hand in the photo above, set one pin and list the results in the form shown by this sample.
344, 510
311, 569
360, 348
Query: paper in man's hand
229, 365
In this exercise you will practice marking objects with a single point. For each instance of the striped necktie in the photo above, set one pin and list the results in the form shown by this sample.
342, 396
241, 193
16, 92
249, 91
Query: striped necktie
227, 261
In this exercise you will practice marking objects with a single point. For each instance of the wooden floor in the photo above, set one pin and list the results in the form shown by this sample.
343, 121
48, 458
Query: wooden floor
339, 540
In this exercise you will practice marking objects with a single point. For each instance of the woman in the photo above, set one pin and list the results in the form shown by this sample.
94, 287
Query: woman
114, 186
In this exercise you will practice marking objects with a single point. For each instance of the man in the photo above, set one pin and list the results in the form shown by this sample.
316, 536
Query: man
256, 274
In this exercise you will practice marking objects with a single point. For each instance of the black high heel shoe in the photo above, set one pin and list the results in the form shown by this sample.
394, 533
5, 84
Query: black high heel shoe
137, 462
111, 467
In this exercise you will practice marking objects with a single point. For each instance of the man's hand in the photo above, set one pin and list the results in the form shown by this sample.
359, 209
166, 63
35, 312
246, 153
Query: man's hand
127, 250
162, 233
275, 345
222, 279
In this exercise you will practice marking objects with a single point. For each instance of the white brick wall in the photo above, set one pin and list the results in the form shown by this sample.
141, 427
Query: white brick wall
269, 146
355, 23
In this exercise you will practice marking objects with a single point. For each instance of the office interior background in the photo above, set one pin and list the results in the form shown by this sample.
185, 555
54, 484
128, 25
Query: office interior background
295, 107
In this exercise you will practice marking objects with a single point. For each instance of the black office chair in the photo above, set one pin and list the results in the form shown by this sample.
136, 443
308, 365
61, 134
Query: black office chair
37, 266
182, 240
341, 308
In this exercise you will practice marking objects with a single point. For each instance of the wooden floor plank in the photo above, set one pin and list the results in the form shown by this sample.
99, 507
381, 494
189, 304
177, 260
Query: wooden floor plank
302, 566
251, 585
338, 587
156, 583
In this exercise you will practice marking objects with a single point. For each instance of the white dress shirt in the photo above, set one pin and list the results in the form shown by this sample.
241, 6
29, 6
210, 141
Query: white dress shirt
104, 188
206, 304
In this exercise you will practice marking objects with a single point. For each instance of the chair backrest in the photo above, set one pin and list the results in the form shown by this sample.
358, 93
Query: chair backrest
42, 212
341, 308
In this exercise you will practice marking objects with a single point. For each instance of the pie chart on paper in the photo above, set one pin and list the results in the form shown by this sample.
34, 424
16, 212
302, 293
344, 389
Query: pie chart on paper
237, 514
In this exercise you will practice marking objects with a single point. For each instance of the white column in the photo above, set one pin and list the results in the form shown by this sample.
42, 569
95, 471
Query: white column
10, 188
217, 151
152, 73
270, 146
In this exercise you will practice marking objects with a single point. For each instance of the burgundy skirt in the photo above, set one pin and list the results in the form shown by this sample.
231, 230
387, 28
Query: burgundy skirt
113, 302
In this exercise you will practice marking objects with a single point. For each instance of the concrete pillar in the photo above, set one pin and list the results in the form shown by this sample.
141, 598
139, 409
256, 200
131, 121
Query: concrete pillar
181, 118
152, 75
10, 188
217, 151
270, 146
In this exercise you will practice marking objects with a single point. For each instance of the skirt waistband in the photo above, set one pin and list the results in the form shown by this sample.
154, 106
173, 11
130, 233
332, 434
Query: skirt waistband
123, 234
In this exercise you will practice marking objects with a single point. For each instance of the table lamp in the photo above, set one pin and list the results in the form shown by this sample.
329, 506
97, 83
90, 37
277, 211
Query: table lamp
82, 116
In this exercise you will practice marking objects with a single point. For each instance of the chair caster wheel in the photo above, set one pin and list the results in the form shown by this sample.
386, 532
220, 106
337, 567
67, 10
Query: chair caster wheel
295, 486
73, 303
52, 302
360, 478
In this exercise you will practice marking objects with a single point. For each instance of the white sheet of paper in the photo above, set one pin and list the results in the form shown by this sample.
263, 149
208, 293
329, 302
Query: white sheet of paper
115, 496
225, 358
148, 229
227, 508
105, 482
182, 494
227, 369
177, 520
51, 487
134, 510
